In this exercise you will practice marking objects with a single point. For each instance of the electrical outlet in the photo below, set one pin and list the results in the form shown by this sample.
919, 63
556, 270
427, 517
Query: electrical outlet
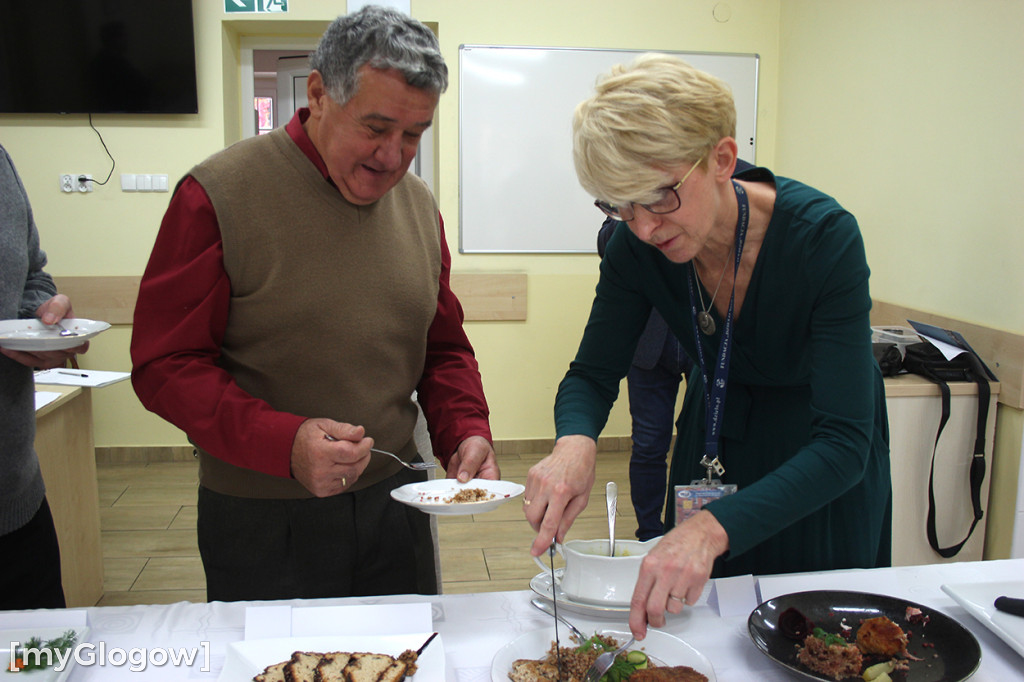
76, 182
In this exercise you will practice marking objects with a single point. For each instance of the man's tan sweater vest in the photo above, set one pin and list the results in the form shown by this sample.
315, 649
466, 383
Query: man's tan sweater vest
330, 302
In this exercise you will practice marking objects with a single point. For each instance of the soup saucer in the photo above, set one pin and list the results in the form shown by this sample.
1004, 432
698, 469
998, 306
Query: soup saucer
541, 584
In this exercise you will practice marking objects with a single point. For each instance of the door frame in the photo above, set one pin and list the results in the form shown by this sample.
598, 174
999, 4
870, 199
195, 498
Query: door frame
248, 45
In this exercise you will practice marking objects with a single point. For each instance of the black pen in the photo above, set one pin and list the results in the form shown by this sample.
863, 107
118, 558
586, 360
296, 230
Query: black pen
73, 374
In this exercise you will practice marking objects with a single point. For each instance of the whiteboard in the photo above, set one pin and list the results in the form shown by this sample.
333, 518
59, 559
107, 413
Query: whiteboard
518, 191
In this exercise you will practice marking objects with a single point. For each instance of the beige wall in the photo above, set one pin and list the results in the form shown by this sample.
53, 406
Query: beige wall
908, 112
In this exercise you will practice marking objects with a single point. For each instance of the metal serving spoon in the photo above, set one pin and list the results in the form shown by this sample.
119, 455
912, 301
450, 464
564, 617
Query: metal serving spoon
546, 608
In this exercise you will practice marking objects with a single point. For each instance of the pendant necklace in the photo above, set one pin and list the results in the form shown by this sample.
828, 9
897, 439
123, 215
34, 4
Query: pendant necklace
705, 322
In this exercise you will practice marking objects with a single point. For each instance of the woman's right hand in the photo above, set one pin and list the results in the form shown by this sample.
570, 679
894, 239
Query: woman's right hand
557, 489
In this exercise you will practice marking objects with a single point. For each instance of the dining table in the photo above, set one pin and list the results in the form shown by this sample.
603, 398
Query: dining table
473, 627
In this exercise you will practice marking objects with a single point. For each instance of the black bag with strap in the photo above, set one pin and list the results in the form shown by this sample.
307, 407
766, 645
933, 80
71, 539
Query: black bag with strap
926, 360
888, 357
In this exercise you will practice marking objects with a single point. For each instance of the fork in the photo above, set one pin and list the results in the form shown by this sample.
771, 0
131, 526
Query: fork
601, 664
415, 466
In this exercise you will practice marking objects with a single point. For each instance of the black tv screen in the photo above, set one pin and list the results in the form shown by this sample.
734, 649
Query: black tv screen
97, 56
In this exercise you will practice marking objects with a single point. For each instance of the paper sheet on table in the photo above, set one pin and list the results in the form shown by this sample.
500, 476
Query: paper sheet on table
265, 622
44, 398
93, 378
43, 618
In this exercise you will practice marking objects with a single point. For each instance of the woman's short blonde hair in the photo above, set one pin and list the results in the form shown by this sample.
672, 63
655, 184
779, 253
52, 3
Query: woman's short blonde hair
647, 117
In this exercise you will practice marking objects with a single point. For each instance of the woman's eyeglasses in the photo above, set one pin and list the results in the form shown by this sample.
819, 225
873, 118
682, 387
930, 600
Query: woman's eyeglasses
667, 202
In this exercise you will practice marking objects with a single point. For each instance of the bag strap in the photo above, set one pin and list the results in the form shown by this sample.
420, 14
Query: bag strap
977, 470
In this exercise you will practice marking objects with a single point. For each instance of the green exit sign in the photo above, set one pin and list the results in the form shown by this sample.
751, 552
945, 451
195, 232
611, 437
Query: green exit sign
231, 6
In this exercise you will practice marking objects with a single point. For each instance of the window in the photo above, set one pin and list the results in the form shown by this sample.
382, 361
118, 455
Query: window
264, 114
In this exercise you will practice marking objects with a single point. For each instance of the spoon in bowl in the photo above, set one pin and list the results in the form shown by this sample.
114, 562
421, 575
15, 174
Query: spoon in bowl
612, 498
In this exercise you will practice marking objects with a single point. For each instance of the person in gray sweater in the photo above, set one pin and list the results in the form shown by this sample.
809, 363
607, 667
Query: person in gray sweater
30, 570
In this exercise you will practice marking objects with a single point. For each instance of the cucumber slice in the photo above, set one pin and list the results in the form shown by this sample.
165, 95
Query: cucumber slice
637, 659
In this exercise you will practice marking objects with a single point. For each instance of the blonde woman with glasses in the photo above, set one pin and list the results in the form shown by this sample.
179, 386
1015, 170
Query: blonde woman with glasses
781, 458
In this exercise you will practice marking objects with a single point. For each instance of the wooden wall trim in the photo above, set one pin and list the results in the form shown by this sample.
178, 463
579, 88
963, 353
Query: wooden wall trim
1002, 351
502, 297
111, 299
484, 296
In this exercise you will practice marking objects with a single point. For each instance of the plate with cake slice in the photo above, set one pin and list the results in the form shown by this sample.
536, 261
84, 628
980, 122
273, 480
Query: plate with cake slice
384, 658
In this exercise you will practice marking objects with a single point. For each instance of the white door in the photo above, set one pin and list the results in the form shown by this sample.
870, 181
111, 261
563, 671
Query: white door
292, 73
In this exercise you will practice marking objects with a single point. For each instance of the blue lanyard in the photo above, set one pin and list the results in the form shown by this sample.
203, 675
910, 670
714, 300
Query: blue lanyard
714, 393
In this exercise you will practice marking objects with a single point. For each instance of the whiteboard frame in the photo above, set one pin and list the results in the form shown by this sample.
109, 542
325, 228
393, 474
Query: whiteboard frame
570, 207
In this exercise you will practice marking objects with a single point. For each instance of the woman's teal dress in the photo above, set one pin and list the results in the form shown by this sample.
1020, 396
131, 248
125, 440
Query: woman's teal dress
805, 433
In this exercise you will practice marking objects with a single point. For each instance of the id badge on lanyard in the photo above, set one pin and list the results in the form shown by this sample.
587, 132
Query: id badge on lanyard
691, 498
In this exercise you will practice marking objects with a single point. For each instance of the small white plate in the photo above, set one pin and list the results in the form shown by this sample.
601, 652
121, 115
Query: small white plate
667, 649
247, 659
44, 634
33, 335
978, 599
541, 584
434, 496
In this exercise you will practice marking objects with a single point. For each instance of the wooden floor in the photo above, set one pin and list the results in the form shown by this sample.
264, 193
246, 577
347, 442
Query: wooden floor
148, 519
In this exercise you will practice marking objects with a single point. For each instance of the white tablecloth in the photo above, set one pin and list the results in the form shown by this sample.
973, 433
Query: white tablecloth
474, 626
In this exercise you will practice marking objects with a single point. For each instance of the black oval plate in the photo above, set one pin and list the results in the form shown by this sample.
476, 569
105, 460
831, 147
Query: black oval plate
952, 654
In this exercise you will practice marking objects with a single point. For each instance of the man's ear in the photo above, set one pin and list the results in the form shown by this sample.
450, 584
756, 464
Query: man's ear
315, 92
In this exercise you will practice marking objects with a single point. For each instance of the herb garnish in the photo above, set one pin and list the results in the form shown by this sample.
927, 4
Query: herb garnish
829, 637
40, 661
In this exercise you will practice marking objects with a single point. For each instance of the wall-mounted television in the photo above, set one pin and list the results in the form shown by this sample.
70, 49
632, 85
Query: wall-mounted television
97, 56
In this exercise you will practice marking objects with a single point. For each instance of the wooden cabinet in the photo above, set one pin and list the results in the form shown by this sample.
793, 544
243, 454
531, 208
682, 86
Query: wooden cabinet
914, 406
64, 443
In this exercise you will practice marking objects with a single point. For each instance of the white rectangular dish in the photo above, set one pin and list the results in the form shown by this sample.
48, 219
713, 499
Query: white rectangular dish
979, 600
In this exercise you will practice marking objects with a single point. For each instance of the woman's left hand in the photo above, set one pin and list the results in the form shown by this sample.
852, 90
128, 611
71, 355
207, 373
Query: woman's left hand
474, 458
675, 570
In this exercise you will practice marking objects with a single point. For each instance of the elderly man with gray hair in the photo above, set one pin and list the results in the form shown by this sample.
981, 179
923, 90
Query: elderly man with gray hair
296, 298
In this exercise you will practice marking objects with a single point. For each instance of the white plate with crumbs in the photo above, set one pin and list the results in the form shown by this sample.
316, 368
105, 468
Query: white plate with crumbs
664, 648
446, 496
34, 336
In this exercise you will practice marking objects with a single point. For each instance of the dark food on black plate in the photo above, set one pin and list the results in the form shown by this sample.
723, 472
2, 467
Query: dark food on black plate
794, 624
878, 640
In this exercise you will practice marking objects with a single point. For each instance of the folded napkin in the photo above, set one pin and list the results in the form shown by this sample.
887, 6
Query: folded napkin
274, 621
